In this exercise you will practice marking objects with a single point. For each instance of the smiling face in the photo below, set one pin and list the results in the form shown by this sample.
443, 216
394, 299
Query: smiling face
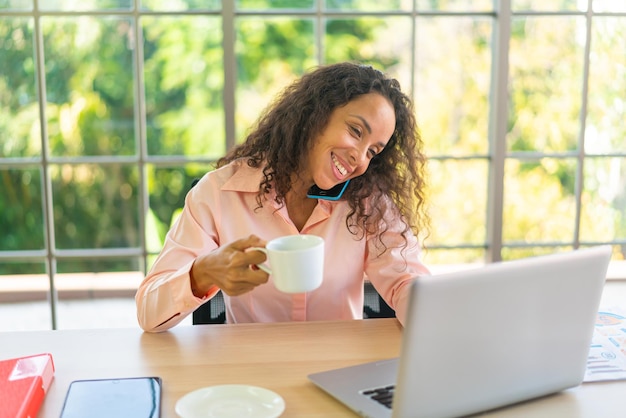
355, 133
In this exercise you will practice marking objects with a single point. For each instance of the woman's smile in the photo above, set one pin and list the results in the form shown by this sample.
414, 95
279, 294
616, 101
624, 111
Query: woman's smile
343, 171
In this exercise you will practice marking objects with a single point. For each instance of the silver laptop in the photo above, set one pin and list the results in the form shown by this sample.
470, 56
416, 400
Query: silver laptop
483, 338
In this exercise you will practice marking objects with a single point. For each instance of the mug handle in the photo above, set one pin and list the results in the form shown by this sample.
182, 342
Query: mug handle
262, 266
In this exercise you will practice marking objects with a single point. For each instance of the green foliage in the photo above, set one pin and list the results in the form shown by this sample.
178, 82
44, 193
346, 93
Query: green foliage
183, 85
264, 41
155, 232
95, 206
19, 120
90, 90
91, 110
21, 210
353, 40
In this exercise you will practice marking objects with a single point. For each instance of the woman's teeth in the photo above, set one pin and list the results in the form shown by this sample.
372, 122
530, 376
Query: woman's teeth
340, 167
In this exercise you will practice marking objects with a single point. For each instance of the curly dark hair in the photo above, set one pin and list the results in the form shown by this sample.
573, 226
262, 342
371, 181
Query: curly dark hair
285, 131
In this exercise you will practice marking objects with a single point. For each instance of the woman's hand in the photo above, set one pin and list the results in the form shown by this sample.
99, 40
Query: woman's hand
229, 267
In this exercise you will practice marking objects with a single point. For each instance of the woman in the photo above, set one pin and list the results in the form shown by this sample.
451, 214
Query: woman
338, 123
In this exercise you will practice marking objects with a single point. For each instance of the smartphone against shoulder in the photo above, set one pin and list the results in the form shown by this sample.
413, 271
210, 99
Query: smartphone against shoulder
331, 194
119, 398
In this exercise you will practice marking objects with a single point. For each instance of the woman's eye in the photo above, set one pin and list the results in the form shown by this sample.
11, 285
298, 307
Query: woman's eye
372, 153
356, 131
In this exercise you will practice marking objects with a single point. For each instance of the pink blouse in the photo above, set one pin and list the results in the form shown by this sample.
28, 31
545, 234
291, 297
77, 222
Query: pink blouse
222, 208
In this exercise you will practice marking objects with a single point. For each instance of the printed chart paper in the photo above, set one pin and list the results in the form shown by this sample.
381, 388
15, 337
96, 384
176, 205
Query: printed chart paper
607, 356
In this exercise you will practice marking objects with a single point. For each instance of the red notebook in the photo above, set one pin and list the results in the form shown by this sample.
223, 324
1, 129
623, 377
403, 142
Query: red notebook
24, 382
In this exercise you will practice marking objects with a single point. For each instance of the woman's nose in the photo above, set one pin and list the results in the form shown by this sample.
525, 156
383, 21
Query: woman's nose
361, 162
359, 156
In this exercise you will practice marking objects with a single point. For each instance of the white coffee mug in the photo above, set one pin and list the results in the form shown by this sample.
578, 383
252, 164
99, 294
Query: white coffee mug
296, 262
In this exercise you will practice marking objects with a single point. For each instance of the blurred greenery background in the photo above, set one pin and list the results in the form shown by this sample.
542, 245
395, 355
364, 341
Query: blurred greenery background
134, 111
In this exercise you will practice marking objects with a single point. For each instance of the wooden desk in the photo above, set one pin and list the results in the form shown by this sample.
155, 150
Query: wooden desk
275, 356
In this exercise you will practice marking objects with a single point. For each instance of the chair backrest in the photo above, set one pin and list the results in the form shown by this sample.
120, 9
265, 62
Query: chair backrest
214, 310
211, 312
374, 306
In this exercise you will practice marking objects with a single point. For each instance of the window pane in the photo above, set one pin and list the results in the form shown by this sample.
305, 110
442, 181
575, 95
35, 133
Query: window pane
549, 5
168, 187
20, 271
21, 210
384, 43
274, 4
24, 289
458, 201
78, 5
122, 273
95, 206
369, 5
603, 216
97, 313
546, 68
20, 129
271, 52
539, 201
609, 6
444, 260
453, 82
184, 84
181, 5
89, 84
456, 5
16, 4
606, 130
512, 253
87, 289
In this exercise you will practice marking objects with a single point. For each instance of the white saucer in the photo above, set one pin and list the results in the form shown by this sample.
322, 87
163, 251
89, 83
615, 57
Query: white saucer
230, 401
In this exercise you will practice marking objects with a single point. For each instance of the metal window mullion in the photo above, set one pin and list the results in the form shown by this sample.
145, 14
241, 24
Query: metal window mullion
230, 71
320, 25
32, 255
48, 208
413, 64
99, 253
580, 172
498, 120
141, 146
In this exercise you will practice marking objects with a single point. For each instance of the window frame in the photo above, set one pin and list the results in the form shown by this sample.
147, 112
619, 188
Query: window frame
502, 15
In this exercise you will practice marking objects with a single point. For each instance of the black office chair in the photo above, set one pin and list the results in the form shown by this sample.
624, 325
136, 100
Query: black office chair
211, 312
374, 306
214, 311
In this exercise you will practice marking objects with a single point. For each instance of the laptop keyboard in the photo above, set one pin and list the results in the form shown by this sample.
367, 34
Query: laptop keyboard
383, 395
